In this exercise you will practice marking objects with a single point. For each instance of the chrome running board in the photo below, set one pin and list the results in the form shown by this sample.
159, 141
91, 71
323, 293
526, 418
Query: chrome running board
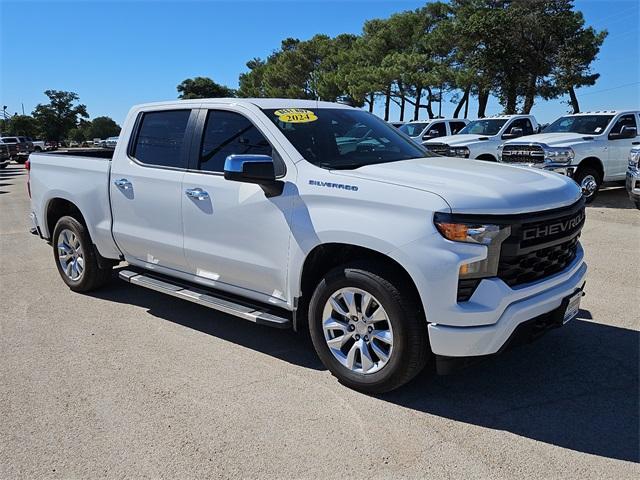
255, 314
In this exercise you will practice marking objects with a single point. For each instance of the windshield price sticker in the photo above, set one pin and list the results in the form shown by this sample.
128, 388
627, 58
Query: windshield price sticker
295, 115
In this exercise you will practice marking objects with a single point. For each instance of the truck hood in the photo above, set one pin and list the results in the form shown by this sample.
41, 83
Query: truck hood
475, 186
553, 139
460, 139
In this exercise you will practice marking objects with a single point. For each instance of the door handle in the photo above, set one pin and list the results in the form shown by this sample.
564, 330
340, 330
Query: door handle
197, 194
123, 183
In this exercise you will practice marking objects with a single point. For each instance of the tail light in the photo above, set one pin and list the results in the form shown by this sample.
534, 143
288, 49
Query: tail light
27, 165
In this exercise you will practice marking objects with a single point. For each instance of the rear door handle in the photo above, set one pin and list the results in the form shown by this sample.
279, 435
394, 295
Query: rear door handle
123, 184
196, 194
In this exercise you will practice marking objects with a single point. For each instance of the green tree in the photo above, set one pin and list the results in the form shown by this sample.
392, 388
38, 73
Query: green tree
23, 125
572, 67
56, 118
203, 87
102, 127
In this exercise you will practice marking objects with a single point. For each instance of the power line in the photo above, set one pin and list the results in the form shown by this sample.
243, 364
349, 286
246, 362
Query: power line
609, 89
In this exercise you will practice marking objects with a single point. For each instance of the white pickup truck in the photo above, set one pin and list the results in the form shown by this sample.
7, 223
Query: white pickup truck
590, 147
266, 210
480, 139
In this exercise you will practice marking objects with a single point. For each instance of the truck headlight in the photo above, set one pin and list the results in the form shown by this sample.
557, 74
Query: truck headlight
489, 235
459, 152
558, 154
634, 158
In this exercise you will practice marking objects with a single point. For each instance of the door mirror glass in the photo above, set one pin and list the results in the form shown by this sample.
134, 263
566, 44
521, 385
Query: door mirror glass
250, 169
625, 132
431, 134
515, 132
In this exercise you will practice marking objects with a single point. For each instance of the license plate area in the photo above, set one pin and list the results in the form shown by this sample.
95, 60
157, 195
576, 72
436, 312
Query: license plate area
572, 306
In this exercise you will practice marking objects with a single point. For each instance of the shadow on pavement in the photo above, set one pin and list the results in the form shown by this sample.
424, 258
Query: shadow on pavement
576, 388
613, 197
282, 344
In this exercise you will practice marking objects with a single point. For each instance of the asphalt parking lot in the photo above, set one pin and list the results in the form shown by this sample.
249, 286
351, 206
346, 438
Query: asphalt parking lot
126, 382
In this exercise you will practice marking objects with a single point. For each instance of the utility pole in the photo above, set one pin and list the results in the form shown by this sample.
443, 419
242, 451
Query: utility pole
440, 103
22, 108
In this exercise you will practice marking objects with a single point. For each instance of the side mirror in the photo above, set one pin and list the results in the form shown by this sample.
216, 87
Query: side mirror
627, 131
515, 132
258, 169
431, 134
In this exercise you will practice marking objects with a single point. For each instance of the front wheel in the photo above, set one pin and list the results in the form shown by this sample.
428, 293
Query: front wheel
76, 258
589, 180
367, 328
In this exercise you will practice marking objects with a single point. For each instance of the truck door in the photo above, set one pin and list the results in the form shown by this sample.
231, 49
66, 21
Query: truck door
619, 147
235, 238
146, 189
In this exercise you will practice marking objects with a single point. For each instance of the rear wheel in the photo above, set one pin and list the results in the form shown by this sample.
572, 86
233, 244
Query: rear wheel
487, 158
371, 336
76, 258
589, 180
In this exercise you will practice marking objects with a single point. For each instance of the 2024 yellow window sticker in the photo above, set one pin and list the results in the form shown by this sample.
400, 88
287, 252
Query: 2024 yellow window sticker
295, 115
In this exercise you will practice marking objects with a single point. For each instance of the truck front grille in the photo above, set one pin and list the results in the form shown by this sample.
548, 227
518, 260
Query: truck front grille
540, 248
538, 264
437, 148
522, 154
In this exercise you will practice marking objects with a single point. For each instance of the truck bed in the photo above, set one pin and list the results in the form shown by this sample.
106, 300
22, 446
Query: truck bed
82, 178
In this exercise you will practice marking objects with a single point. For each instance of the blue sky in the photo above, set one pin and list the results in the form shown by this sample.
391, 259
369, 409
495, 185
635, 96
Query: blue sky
116, 54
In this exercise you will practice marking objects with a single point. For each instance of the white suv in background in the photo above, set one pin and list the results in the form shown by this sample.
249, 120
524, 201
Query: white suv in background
590, 147
481, 138
421, 131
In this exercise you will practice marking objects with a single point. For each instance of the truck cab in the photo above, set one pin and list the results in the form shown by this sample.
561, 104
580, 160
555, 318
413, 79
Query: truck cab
481, 138
590, 147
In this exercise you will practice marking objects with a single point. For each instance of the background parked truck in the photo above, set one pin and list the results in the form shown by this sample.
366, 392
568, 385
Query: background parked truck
590, 147
480, 139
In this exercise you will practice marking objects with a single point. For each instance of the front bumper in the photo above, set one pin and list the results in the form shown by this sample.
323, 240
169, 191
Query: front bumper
633, 184
510, 307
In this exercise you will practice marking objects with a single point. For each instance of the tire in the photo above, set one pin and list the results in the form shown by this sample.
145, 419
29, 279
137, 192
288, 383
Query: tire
637, 202
3, 165
67, 233
407, 354
588, 178
21, 160
487, 158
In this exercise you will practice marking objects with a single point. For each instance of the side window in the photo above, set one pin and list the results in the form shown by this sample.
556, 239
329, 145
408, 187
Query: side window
160, 138
456, 127
524, 124
227, 133
624, 121
440, 127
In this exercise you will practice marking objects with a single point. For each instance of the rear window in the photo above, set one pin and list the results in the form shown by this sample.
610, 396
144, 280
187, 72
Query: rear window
160, 139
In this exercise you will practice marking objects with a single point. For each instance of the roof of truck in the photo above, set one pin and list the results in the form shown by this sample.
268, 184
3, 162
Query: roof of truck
605, 112
259, 102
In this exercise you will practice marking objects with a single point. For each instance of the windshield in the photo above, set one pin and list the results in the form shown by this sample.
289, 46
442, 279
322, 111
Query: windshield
586, 124
343, 138
413, 129
484, 127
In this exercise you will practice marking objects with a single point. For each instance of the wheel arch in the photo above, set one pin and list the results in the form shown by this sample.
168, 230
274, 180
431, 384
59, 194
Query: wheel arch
487, 157
326, 256
57, 208
593, 162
